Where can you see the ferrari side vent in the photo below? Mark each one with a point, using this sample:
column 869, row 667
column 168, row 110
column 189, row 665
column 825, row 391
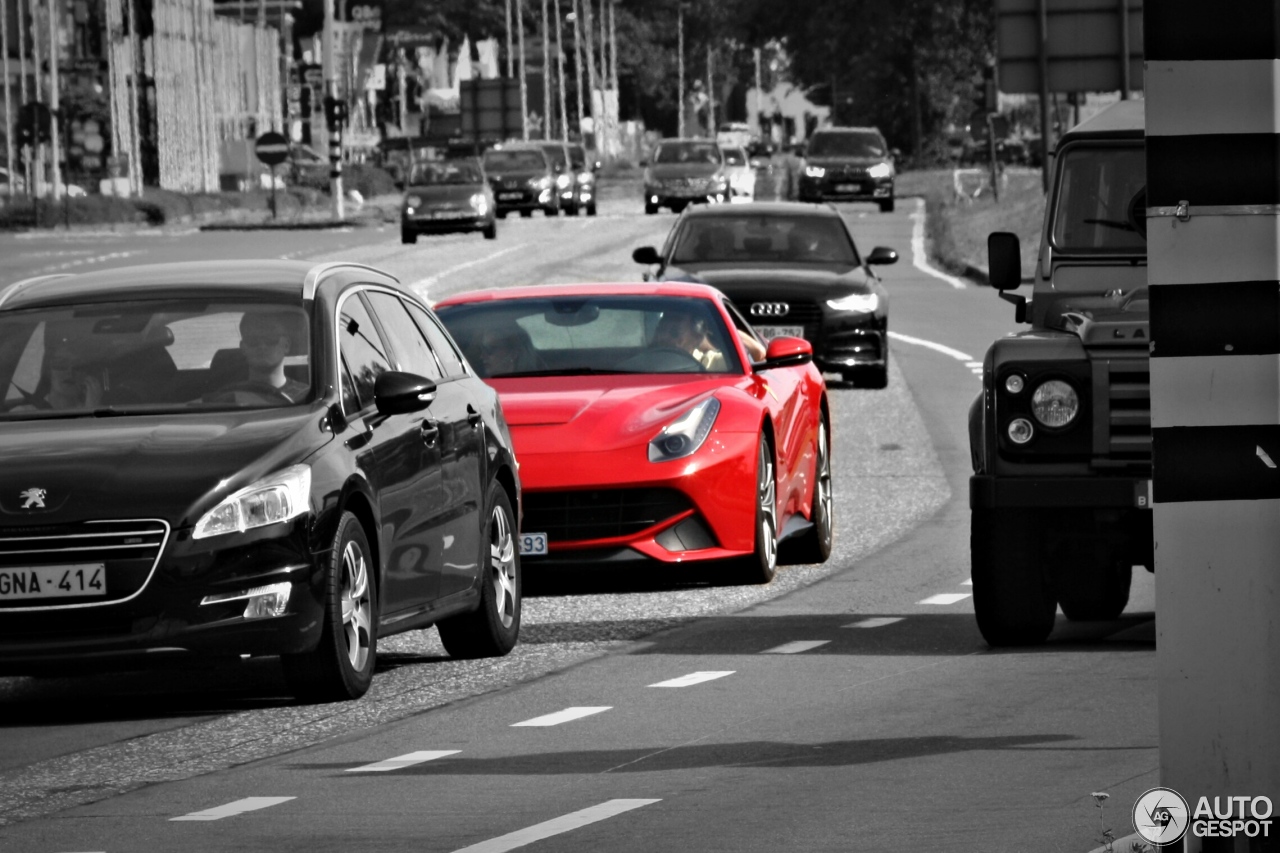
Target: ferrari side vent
column 600, row 513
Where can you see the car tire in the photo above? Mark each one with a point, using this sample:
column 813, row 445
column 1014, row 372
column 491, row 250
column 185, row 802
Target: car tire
column 492, row 629
column 501, row 214
column 591, row 208
column 341, row 666
column 1012, row 597
column 551, row 212
column 408, row 236
column 571, row 210
column 490, row 231
column 886, row 206
column 649, row 209
column 814, row 545
column 526, row 214
column 761, row 566
column 1090, row 579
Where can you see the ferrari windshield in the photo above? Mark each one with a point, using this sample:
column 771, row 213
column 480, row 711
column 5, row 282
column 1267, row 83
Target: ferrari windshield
column 1101, row 203
column 114, row 358
column 850, row 144
column 769, row 239
column 592, row 334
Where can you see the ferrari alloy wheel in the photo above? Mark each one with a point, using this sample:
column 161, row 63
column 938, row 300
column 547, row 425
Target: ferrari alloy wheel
column 491, row 630
column 341, row 666
column 762, row 565
column 814, row 545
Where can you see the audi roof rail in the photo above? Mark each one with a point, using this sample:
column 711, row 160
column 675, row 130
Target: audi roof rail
column 12, row 289
column 317, row 274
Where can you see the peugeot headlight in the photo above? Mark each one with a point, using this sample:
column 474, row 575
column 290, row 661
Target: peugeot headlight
column 685, row 434
column 862, row 303
column 1055, row 403
column 880, row 170
column 480, row 204
column 280, row 497
column 563, row 180
column 413, row 201
column 814, row 171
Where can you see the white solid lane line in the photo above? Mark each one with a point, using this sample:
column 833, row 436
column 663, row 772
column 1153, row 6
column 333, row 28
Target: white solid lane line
column 693, row 678
column 248, row 804
column 420, row 286
column 795, row 648
column 556, row 826
column 946, row 598
column 874, row 622
column 917, row 249
column 564, row 716
column 407, row 760
column 936, row 347
column 968, row 582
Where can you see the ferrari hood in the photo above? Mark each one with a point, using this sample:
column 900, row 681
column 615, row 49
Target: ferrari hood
column 550, row 415
column 767, row 281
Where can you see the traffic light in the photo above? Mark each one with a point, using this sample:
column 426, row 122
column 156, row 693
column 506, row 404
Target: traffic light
column 335, row 111
column 35, row 124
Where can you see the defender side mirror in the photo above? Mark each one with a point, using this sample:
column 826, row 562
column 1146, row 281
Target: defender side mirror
column 1005, row 259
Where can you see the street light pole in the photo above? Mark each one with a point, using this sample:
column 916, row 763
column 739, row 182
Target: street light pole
column 8, row 103
column 577, row 60
column 564, row 109
column 335, row 128
column 680, row 68
column 524, row 80
column 546, row 73
column 55, row 133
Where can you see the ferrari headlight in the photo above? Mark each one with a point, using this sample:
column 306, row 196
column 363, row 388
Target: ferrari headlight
column 880, row 170
column 480, row 204
column 1055, row 403
column 862, row 303
column 814, row 171
column 563, row 180
column 280, row 497
column 683, row 436
column 413, row 201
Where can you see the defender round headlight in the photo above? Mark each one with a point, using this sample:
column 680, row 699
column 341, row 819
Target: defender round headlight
column 1020, row 430
column 1055, row 403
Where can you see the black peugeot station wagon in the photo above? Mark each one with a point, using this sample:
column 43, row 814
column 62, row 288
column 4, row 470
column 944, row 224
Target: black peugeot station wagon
column 246, row 458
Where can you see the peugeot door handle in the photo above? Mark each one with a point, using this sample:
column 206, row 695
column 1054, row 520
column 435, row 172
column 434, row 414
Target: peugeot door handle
column 473, row 417
column 430, row 432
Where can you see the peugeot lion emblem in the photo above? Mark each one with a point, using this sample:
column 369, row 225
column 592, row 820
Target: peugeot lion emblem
column 770, row 309
column 33, row 498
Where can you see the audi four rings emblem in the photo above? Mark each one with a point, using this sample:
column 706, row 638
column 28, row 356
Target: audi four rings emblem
column 770, row 309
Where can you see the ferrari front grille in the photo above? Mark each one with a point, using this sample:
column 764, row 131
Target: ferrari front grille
column 599, row 513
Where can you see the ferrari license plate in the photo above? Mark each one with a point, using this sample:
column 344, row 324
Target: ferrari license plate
column 771, row 332
column 533, row 544
column 78, row 579
column 846, row 188
column 510, row 196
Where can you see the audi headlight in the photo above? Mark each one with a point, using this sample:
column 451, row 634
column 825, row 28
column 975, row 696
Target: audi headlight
column 814, row 171
column 480, row 204
column 862, row 303
column 280, row 497
column 413, row 201
column 683, row 436
column 1055, row 403
column 880, row 170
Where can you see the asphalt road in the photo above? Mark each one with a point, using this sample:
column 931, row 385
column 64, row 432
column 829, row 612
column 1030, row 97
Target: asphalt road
column 848, row 706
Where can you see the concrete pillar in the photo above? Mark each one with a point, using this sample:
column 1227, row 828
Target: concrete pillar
column 1213, row 231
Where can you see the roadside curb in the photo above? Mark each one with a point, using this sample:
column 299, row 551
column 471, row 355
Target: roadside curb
column 319, row 225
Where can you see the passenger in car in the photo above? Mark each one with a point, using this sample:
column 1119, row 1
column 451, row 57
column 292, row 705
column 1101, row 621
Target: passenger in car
column 65, row 385
column 266, row 339
column 504, row 350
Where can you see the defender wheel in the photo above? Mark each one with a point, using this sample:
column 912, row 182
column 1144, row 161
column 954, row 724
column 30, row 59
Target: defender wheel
column 814, row 545
column 490, row 231
column 1089, row 576
column 341, row 666
column 1012, row 598
column 491, row 630
column 762, row 565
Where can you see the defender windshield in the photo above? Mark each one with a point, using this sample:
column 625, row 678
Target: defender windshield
column 1101, row 200
column 116, row 358
column 781, row 239
column 591, row 335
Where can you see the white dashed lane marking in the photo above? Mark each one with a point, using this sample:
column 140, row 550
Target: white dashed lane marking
column 693, row 678
column 968, row 582
column 795, row 648
column 946, row 598
column 556, row 826
column 248, row 804
column 874, row 622
column 564, row 716
column 407, row 760
column 423, row 284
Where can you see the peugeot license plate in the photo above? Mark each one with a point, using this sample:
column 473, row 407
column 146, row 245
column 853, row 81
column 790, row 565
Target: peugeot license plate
column 771, row 332
column 533, row 544
column 78, row 579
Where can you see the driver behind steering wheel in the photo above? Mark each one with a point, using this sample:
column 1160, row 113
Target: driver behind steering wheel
column 265, row 340
column 681, row 329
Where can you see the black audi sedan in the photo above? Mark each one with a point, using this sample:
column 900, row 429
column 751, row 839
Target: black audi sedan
column 246, row 458
column 848, row 164
column 792, row 269
column 523, row 179
column 444, row 196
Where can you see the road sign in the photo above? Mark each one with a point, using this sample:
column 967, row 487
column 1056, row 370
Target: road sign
column 313, row 74
column 1083, row 49
column 272, row 148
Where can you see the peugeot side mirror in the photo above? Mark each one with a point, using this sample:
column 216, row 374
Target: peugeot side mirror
column 1004, row 254
column 646, row 255
column 786, row 352
column 399, row 393
column 882, row 255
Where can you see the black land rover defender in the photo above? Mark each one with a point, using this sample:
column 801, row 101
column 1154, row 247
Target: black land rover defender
column 1061, row 434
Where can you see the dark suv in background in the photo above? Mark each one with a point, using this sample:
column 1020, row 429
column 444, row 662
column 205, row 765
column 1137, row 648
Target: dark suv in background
column 848, row 164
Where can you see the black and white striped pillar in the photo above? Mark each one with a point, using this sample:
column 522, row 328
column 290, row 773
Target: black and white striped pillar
column 1213, row 230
